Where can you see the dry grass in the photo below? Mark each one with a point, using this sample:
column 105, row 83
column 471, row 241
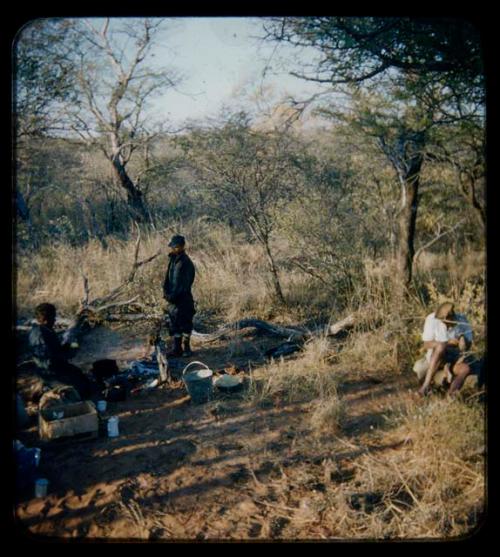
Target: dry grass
column 133, row 513
column 309, row 378
column 431, row 488
column 232, row 278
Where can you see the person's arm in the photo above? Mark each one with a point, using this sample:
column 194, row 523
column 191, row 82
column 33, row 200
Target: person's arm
column 464, row 334
column 38, row 348
column 165, row 287
column 431, row 344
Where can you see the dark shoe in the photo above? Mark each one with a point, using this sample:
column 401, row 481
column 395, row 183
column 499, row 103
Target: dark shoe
column 186, row 352
column 176, row 351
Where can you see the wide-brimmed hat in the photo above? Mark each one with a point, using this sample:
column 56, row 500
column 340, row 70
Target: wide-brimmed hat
column 445, row 312
column 176, row 240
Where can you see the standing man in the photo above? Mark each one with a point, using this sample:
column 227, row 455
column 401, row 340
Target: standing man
column 177, row 292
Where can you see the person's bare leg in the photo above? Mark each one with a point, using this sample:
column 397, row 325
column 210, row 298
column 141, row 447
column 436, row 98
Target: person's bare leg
column 436, row 359
column 461, row 370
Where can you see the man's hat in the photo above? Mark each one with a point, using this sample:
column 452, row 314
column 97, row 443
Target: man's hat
column 176, row 240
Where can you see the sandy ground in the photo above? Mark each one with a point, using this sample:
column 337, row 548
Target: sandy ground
column 223, row 470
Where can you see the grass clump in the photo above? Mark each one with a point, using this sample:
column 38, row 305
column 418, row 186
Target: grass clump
column 431, row 487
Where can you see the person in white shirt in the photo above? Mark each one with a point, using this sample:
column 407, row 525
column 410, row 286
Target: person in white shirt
column 447, row 336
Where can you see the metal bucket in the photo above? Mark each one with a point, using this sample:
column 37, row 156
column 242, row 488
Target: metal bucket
column 198, row 382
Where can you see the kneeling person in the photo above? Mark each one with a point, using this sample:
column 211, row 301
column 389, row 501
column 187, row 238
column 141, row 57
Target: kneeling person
column 447, row 336
column 51, row 358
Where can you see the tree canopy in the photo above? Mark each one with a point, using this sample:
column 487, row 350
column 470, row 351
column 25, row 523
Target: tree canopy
column 356, row 49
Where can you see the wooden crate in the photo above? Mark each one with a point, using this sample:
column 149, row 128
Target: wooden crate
column 79, row 418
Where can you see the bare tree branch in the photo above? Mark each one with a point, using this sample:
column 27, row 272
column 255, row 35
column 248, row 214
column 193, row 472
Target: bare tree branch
column 435, row 239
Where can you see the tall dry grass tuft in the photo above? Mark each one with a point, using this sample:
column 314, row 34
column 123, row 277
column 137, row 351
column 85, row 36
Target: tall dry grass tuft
column 307, row 379
column 387, row 335
column 431, row 487
column 56, row 273
column 230, row 274
column 133, row 514
column 232, row 284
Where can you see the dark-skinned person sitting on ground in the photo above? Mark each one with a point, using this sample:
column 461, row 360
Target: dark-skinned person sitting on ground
column 51, row 358
column 177, row 292
column 447, row 337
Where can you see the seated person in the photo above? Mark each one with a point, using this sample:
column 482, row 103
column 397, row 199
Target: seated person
column 51, row 358
column 447, row 336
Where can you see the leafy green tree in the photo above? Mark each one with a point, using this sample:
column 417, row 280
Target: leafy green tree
column 247, row 174
column 357, row 49
column 42, row 82
column 43, row 77
column 422, row 73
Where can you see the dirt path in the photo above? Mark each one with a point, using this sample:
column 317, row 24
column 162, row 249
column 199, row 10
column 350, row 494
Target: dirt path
column 221, row 470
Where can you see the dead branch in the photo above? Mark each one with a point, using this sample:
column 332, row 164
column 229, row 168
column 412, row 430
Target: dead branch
column 290, row 333
column 93, row 311
column 308, row 270
column 342, row 325
column 97, row 304
column 115, row 317
column 86, row 291
column 438, row 236
column 296, row 334
column 117, row 304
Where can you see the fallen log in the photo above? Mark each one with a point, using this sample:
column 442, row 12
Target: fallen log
column 342, row 325
column 87, row 318
column 125, row 317
column 292, row 334
column 295, row 333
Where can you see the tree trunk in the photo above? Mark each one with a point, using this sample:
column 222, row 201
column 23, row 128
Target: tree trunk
column 407, row 220
column 470, row 192
column 135, row 198
column 274, row 274
column 94, row 226
column 24, row 212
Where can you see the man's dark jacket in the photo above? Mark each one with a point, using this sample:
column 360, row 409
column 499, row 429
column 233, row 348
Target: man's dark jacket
column 179, row 279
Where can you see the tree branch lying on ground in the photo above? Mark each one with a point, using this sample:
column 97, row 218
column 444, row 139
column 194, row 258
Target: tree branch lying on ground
column 93, row 311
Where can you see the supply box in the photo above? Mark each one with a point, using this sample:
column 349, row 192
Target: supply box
column 68, row 420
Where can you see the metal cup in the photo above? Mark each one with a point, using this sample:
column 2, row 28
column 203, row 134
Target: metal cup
column 41, row 487
column 113, row 427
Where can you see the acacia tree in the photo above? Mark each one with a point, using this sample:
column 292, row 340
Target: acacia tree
column 247, row 174
column 114, row 84
column 42, row 80
column 434, row 66
column 357, row 49
column 461, row 148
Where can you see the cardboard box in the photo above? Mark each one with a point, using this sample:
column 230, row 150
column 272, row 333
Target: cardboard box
column 79, row 418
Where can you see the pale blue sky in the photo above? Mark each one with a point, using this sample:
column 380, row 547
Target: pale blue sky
column 223, row 65
column 222, row 61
